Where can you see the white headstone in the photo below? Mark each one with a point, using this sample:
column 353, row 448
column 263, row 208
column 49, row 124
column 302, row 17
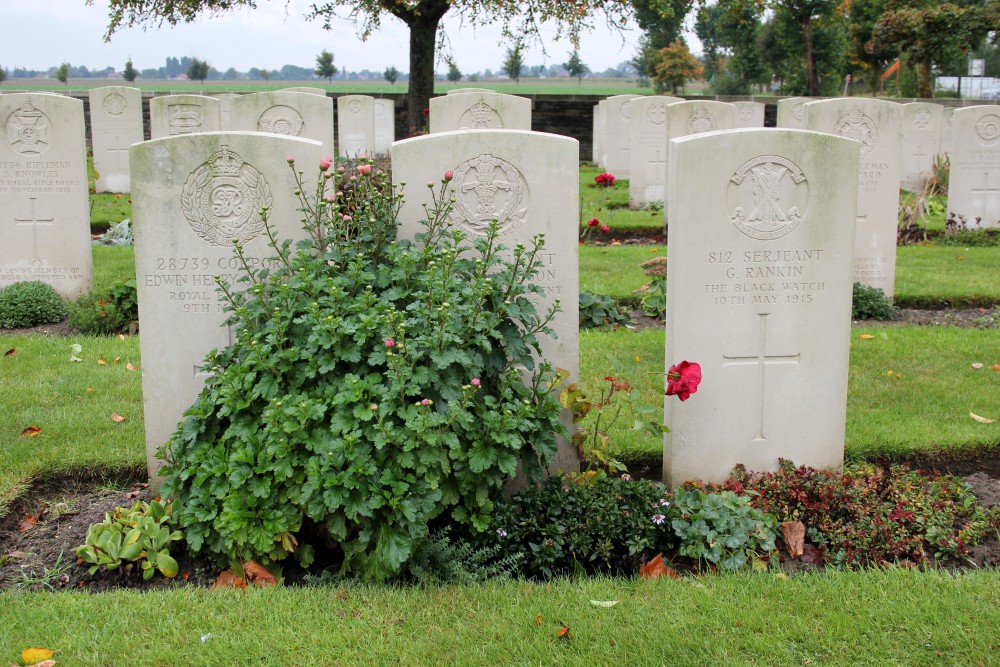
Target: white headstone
column 385, row 124
column 749, row 114
column 974, row 186
column 617, row 132
column 224, row 100
column 479, row 111
column 920, row 141
column 193, row 194
column 601, row 138
column 696, row 117
column 947, row 130
column 115, row 124
column 759, row 295
column 791, row 112
column 356, row 125
column 292, row 114
column 874, row 123
column 170, row 115
column 648, row 150
column 44, row 204
column 595, row 140
column 529, row 182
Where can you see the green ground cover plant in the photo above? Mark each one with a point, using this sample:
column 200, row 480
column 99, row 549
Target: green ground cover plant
column 893, row 617
column 29, row 303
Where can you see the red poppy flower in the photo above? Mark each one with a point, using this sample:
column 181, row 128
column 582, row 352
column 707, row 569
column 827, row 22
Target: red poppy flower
column 683, row 379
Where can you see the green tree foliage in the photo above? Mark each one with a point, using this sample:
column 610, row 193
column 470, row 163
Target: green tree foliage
column 198, row 71
column 661, row 22
column 675, row 67
column 422, row 17
column 513, row 62
column 62, row 73
column 576, row 67
column 782, row 52
column 129, row 73
column 265, row 74
column 325, row 69
column 3, row 75
column 391, row 74
column 927, row 32
column 454, row 74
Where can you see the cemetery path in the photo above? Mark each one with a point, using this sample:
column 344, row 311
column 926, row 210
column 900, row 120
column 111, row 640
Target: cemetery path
column 42, row 558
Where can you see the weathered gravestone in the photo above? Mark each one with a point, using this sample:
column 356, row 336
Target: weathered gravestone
column 874, row 123
column 686, row 118
column 759, row 294
column 791, row 112
column 115, row 124
column 356, row 125
column 193, row 195
column 292, row 114
column 920, row 140
column 749, row 114
column 617, row 119
column 44, row 205
column 648, row 150
column 385, row 124
column 479, row 111
column 529, row 182
column 170, row 115
column 974, row 186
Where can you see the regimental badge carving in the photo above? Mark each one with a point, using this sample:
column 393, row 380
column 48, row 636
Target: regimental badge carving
column 480, row 116
column 922, row 119
column 183, row 118
column 701, row 121
column 487, row 188
column 355, row 107
column 856, row 125
column 626, row 110
column 28, row 130
column 281, row 119
column 222, row 198
column 115, row 104
column 767, row 197
column 656, row 113
column 988, row 129
column 799, row 111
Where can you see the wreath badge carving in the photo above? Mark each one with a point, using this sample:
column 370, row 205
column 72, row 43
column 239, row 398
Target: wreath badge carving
column 222, row 198
column 487, row 188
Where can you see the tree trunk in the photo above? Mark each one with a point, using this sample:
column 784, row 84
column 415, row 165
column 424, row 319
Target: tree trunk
column 423, row 20
column 924, row 80
column 812, row 77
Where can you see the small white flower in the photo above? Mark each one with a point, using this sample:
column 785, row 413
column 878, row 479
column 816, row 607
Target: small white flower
column 658, row 519
column 501, row 532
column 665, row 503
column 626, row 477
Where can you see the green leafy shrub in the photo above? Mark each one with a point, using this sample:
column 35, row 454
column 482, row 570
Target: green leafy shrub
column 871, row 303
column 602, row 525
column 141, row 534
column 374, row 386
column 30, row 303
column 600, row 310
column 113, row 311
column 970, row 238
column 870, row 514
column 445, row 559
column 722, row 528
column 654, row 295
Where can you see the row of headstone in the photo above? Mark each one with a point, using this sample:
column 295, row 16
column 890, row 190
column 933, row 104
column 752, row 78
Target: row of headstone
column 763, row 244
column 477, row 109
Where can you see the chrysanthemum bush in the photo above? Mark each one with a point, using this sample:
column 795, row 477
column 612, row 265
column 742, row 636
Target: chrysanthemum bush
column 375, row 386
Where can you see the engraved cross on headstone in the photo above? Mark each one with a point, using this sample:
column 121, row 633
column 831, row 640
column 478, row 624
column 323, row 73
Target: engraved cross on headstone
column 200, row 371
column 919, row 153
column 985, row 193
column 762, row 360
column 116, row 155
column 660, row 160
column 34, row 221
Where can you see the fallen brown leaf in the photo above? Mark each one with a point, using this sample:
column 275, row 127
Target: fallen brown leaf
column 117, row 359
column 117, row 418
column 130, row 367
column 538, row 619
column 229, row 580
column 981, row 420
column 865, row 336
column 656, row 568
column 135, row 490
column 89, row 390
column 996, row 367
column 563, row 632
column 30, row 432
column 795, row 537
column 44, row 663
column 10, row 353
column 101, row 361
column 28, row 522
column 258, row 575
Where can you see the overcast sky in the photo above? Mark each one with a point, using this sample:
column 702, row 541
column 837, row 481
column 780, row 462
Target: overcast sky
column 37, row 34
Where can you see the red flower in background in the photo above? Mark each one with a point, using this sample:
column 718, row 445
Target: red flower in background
column 605, row 179
column 683, row 379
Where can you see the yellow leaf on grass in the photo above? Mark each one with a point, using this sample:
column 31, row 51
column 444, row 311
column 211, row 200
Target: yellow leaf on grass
column 866, row 336
column 30, row 656
column 117, row 418
column 981, row 420
column 538, row 619
column 130, row 367
column 101, row 361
